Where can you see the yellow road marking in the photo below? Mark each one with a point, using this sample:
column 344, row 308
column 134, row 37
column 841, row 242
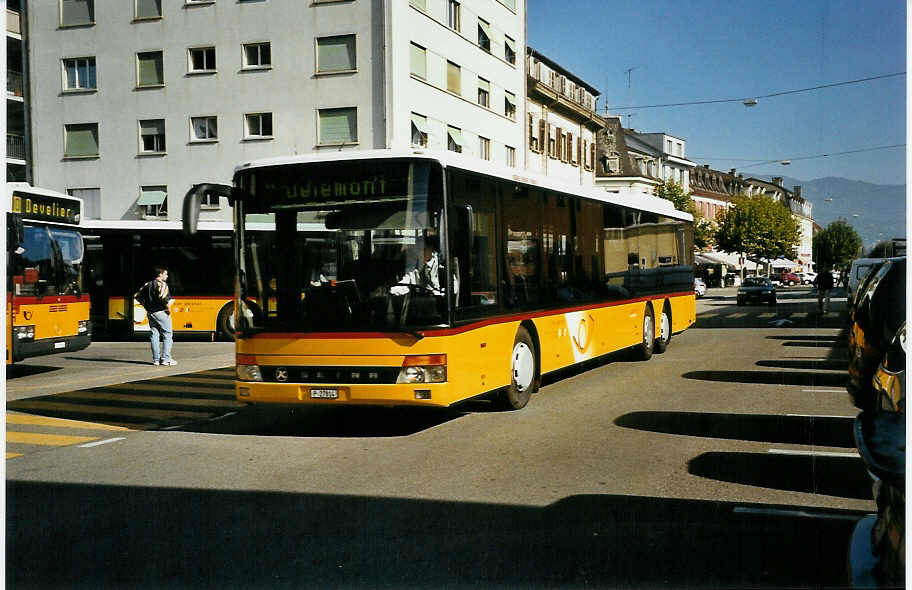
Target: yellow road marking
column 51, row 440
column 227, row 390
column 188, row 379
column 126, row 397
column 109, row 411
column 32, row 420
column 13, row 455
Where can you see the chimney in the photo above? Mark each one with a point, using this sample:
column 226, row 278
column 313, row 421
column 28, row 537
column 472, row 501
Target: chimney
column 796, row 190
column 706, row 166
column 777, row 180
column 732, row 171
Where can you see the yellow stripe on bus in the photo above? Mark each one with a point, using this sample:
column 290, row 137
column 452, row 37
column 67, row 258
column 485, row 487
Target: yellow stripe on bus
column 31, row 420
column 49, row 440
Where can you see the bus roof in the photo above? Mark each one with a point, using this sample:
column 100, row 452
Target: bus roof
column 448, row 159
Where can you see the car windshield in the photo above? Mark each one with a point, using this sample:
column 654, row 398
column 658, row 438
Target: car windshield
column 756, row 282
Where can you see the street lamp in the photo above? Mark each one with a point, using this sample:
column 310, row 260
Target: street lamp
column 750, row 102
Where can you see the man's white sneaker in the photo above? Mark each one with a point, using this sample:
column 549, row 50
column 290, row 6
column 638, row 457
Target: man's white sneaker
column 169, row 363
column 156, row 363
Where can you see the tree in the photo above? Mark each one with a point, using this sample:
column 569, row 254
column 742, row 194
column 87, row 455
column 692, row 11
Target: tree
column 883, row 249
column 758, row 226
column 836, row 246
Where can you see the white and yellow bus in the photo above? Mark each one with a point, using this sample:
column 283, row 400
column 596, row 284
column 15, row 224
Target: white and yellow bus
column 47, row 306
column 531, row 277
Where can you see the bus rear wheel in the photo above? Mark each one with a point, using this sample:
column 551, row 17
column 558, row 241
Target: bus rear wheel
column 661, row 343
column 224, row 323
column 644, row 349
column 524, row 378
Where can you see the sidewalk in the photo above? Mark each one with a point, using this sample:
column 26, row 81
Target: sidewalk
column 109, row 363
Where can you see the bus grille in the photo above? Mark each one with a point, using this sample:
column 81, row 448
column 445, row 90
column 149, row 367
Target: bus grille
column 339, row 375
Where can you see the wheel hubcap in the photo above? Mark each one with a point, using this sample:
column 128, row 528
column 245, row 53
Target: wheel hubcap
column 666, row 326
column 523, row 366
column 647, row 331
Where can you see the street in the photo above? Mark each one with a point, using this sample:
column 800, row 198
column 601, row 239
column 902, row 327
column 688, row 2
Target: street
column 726, row 461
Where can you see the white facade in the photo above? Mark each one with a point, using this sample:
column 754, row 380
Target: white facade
column 289, row 77
column 673, row 162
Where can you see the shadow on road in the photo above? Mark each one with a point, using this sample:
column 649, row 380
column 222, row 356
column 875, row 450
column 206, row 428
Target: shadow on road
column 845, row 477
column 814, row 364
column 772, row 428
column 175, row 538
column 771, row 377
column 14, row 371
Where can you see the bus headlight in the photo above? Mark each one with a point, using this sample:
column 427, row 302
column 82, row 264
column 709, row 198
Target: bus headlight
column 24, row 333
column 247, row 368
column 429, row 368
column 83, row 326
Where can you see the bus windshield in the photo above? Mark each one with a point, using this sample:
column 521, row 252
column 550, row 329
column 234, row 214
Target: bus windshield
column 343, row 247
column 48, row 262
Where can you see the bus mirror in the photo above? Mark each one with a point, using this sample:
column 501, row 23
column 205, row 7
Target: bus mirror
column 462, row 220
column 15, row 232
column 194, row 198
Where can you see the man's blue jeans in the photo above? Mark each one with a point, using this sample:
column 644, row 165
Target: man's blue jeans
column 160, row 323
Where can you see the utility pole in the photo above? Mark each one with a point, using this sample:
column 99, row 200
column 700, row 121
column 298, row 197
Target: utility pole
column 629, row 72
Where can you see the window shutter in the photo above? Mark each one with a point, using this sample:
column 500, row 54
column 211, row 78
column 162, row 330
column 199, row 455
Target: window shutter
column 579, row 151
column 592, row 155
column 77, row 12
column 150, row 69
column 419, row 61
column 542, row 137
column 338, row 125
column 559, row 143
column 454, row 78
column 81, row 140
column 335, row 54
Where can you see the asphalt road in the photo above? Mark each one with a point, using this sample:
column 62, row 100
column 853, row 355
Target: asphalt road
column 728, row 461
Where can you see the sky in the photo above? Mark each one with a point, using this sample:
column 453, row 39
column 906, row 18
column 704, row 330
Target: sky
column 695, row 50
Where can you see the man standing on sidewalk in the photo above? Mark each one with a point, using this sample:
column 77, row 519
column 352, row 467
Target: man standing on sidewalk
column 824, row 284
column 156, row 298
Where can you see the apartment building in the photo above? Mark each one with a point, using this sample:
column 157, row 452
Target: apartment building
column 17, row 153
column 673, row 165
column 561, row 122
column 624, row 161
column 135, row 101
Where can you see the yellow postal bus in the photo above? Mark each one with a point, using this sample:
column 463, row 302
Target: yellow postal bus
column 398, row 277
column 47, row 307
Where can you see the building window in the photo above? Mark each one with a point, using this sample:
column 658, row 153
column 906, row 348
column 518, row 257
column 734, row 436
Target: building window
column 74, row 13
column 148, row 9
column 533, row 138
column 202, row 60
column 258, row 126
column 91, row 201
column 510, row 105
column 419, row 4
column 484, row 35
column 153, row 201
column 152, row 136
column 420, row 130
column 418, row 61
column 454, row 139
column 79, row 73
column 336, row 54
column 454, row 78
column 204, row 129
column 337, row 126
column 453, row 14
column 257, row 55
column 509, row 50
column 150, row 69
column 510, row 156
column 80, row 140
column 484, row 148
column 484, row 93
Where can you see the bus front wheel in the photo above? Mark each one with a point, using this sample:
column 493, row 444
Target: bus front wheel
column 225, row 322
column 524, row 377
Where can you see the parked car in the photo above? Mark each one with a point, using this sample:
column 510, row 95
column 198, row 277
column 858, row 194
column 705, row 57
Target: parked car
column 859, row 270
column 877, row 314
column 889, row 380
column 759, row 289
column 807, row 278
column 789, row 278
column 699, row 287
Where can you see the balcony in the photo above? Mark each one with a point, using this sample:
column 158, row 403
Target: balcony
column 13, row 22
column 15, row 147
column 14, row 84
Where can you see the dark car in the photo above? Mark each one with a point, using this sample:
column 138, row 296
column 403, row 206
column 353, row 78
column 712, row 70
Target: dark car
column 759, row 289
column 789, row 278
column 877, row 314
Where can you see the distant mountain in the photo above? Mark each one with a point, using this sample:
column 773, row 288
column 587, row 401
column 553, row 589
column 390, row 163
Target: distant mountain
column 876, row 211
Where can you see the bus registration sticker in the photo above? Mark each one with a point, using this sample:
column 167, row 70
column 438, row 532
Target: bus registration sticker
column 324, row 393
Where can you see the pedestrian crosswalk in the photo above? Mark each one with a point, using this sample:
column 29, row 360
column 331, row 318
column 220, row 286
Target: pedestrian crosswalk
column 86, row 416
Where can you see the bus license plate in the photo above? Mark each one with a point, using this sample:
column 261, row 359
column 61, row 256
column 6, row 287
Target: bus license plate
column 324, row 393
column 60, row 345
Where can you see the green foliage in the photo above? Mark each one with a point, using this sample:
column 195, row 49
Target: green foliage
column 883, row 249
column 836, row 246
column 674, row 192
column 758, row 226
column 704, row 232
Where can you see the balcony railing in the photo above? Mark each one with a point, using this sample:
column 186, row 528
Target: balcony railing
column 13, row 83
column 15, row 146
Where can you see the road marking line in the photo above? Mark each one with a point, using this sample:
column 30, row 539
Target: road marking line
column 101, row 442
column 823, row 390
column 50, row 440
column 32, row 420
column 222, row 417
column 151, row 399
column 853, row 455
column 110, row 411
column 13, row 455
column 795, row 513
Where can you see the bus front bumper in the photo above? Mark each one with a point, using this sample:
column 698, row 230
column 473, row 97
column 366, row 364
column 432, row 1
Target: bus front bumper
column 24, row 350
column 420, row 394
